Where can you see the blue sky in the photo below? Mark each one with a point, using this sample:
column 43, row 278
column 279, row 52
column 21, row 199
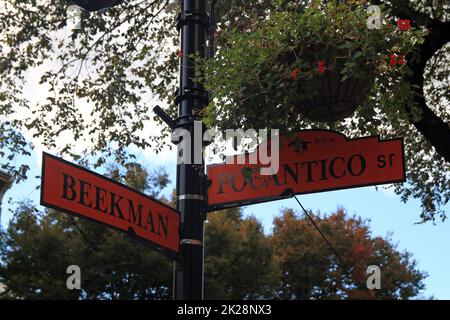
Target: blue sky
column 427, row 242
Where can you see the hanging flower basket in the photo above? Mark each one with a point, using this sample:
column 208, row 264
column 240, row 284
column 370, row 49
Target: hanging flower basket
column 314, row 63
column 335, row 99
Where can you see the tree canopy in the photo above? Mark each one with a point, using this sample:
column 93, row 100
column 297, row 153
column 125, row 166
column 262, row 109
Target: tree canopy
column 96, row 81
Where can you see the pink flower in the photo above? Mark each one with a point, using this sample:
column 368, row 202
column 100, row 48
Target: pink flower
column 180, row 54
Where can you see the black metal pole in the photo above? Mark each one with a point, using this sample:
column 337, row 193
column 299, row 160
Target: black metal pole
column 188, row 282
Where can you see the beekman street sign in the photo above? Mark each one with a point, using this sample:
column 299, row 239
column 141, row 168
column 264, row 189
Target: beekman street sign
column 86, row 194
column 310, row 161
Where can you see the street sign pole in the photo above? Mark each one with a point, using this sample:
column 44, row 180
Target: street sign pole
column 189, row 276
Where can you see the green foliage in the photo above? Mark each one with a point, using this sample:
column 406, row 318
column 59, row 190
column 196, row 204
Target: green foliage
column 238, row 260
column 309, row 270
column 35, row 256
column 98, row 77
column 251, row 77
column 95, row 83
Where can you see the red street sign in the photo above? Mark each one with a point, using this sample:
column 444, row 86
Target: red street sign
column 310, row 161
column 80, row 192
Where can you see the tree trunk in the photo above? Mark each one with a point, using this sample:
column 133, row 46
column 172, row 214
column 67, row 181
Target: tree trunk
column 432, row 127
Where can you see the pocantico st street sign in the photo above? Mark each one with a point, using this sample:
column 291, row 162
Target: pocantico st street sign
column 309, row 161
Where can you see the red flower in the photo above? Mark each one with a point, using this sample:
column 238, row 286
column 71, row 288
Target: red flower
column 295, row 73
column 404, row 24
column 401, row 60
column 393, row 59
column 396, row 60
column 180, row 54
column 321, row 67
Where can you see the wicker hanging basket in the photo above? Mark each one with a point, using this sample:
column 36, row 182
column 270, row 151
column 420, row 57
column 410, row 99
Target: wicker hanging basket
column 334, row 99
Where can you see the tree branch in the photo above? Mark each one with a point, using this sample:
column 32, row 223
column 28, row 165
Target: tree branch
column 403, row 10
column 432, row 127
